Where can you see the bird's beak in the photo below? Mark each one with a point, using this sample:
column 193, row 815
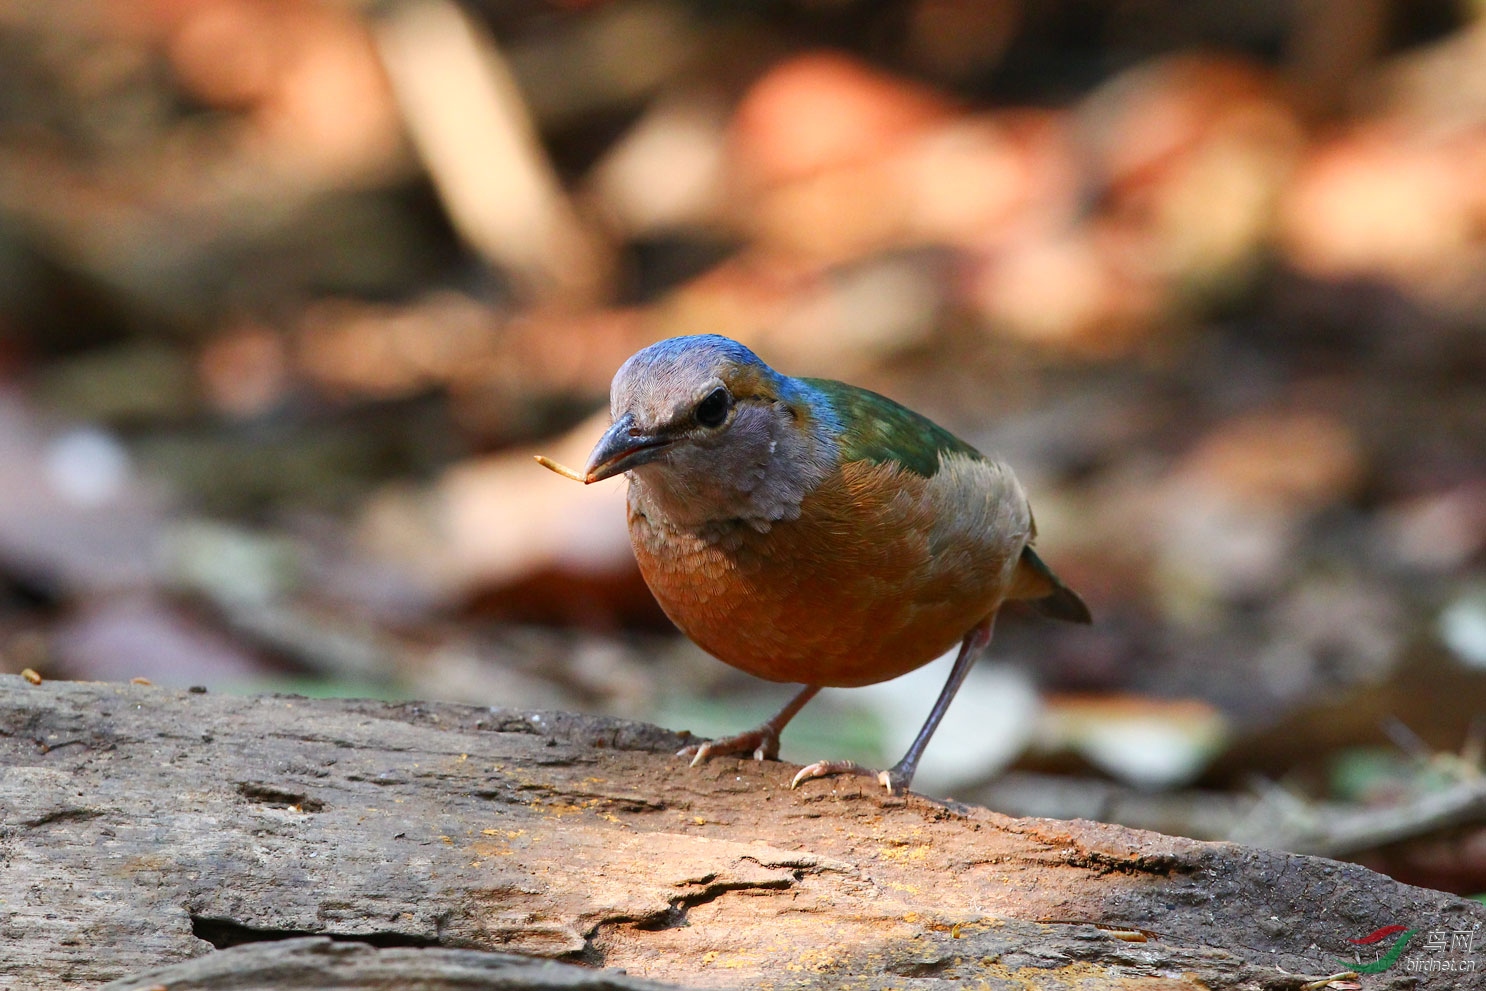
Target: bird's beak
column 621, row 448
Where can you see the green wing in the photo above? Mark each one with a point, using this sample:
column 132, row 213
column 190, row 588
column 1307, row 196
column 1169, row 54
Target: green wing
column 876, row 429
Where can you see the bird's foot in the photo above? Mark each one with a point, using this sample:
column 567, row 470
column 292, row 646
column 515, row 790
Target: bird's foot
column 891, row 779
column 761, row 743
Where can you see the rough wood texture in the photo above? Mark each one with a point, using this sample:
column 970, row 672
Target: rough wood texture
column 317, row 963
column 144, row 827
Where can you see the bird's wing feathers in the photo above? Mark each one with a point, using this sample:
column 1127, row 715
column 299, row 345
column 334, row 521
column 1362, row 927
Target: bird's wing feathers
column 971, row 511
column 877, row 430
column 980, row 511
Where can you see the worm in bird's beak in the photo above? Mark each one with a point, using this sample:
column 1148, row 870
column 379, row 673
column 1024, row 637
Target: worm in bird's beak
column 621, row 448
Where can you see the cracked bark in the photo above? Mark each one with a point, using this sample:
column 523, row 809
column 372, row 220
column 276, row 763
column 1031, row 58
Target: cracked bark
column 165, row 838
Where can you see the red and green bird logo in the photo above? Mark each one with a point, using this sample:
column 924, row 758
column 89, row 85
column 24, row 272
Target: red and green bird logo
column 1388, row 959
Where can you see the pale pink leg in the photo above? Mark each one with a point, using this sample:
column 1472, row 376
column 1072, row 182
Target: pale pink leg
column 761, row 742
column 900, row 775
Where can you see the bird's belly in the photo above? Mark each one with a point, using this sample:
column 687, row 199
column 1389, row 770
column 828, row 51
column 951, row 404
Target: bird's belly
column 818, row 603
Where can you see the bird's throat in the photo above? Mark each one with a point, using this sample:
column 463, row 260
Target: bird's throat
column 758, row 476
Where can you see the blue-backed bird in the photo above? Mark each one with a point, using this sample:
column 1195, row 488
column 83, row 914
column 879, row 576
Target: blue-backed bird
column 806, row 530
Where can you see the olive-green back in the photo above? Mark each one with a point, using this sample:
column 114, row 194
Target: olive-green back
column 877, row 430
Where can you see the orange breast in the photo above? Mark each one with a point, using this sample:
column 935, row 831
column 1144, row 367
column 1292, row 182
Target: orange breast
column 878, row 576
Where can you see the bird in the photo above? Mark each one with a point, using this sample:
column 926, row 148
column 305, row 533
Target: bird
column 809, row 531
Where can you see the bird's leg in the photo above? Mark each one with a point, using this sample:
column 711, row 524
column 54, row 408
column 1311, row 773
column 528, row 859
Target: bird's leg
column 762, row 742
column 897, row 778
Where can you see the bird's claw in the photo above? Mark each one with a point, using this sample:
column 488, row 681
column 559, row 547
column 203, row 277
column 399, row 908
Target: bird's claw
column 760, row 744
column 889, row 779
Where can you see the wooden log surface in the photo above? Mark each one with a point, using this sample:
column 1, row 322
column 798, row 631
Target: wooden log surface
column 173, row 839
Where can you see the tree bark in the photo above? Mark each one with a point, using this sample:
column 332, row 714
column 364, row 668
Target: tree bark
column 145, row 831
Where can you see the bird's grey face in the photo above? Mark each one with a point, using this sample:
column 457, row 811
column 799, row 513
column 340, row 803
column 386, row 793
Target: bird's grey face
column 708, row 432
column 686, row 404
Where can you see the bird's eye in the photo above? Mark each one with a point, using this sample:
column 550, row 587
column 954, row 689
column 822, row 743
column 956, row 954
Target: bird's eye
column 713, row 411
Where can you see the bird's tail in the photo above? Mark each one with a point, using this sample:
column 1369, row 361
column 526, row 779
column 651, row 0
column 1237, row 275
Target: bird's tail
column 1045, row 591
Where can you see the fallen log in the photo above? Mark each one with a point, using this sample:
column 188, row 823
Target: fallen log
column 173, row 839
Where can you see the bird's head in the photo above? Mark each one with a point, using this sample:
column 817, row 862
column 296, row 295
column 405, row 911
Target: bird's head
column 678, row 396
column 704, row 421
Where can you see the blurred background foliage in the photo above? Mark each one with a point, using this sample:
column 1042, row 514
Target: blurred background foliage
column 290, row 291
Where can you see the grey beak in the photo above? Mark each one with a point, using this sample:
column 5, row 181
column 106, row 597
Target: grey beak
column 621, row 448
